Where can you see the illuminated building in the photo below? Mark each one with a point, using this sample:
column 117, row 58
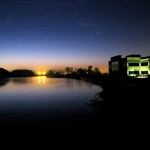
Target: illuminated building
column 131, row 65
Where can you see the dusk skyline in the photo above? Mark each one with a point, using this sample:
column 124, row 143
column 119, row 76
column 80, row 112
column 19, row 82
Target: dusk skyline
column 54, row 34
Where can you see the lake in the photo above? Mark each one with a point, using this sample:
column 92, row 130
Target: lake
column 57, row 108
column 39, row 98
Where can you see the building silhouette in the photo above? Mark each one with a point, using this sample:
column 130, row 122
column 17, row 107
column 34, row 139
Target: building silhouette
column 132, row 65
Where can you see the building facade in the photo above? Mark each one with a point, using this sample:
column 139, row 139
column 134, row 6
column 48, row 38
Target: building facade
column 131, row 65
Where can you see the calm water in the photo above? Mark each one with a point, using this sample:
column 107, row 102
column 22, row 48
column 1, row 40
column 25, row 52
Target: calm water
column 41, row 97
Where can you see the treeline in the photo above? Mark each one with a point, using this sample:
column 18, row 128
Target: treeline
column 75, row 73
column 81, row 71
column 89, row 74
column 16, row 73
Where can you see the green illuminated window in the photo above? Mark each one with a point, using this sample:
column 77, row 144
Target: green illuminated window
column 133, row 64
column 144, row 72
column 133, row 72
column 144, row 64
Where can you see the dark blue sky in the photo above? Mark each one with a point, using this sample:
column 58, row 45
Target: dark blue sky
column 53, row 34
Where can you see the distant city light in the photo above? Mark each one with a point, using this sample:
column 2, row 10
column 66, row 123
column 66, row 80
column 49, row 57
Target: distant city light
column 41, row 73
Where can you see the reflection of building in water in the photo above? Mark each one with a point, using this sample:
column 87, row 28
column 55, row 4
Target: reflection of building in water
column 131, row 65
column 42, row 79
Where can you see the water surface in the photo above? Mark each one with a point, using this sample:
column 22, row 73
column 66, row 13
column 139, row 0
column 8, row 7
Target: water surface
column 45, row 98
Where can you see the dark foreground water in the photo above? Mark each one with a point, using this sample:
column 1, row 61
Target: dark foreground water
column 39, row 107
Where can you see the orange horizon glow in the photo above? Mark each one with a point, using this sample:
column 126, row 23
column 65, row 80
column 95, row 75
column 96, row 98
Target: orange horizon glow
column 41, row 70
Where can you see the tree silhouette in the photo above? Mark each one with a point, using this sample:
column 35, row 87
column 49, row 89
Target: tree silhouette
column 82, row 71
column 96, row 70
column 90, row 69
column 69, row 70
column 22, row 73
column 4, row 73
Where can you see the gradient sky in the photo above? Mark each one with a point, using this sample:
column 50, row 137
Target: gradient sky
column 54, row 34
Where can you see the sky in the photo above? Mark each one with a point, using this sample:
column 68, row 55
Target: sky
column 55, row 34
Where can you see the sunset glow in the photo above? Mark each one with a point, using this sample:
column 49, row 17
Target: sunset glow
column 52, row 35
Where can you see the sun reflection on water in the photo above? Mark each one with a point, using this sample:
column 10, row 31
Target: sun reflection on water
column 42, row 79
